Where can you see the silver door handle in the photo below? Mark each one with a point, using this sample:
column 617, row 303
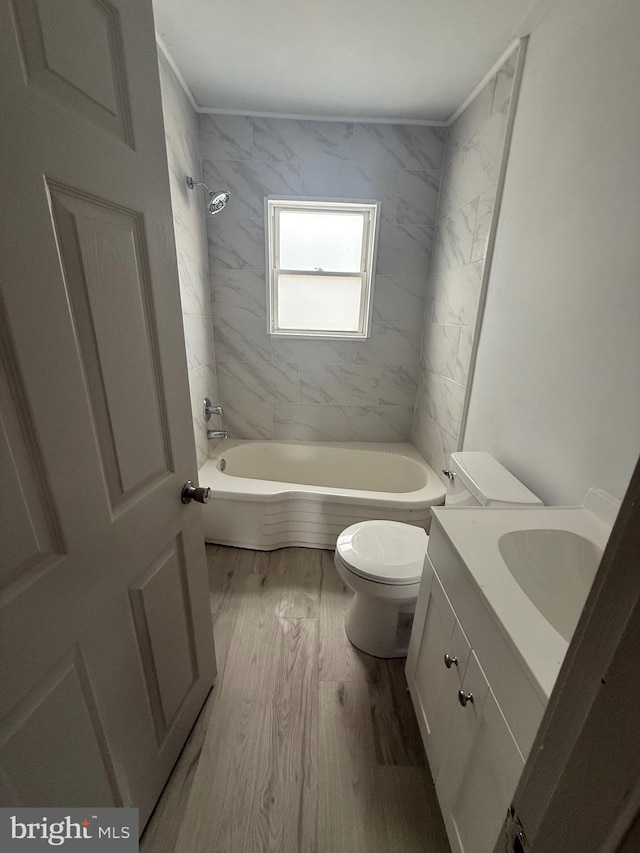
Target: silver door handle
column 195, row 493
column 449, row 661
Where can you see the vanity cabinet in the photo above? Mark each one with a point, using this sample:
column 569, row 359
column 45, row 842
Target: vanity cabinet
column 474, row 759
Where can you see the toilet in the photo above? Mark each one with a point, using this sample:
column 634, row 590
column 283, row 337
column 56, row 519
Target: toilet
column 382, row 561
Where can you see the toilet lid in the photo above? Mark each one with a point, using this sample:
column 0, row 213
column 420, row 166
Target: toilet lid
column 384, row 551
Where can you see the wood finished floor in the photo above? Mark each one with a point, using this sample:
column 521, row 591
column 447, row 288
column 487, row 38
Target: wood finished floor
column 305, row 744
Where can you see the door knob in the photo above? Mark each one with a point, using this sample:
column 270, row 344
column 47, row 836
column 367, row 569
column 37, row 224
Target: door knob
column 195, row 493
column 449, row 661
column 463, row 698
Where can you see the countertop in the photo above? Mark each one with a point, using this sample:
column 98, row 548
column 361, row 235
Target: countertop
column 474, row 533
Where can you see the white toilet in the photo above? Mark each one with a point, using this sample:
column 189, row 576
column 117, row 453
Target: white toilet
column 382, row 561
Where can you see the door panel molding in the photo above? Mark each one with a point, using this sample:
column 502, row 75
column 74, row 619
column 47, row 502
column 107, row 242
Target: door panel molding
column 32, row 541
column 56, row 728
column 164, row 629
column 57, row 59
column 102, row 254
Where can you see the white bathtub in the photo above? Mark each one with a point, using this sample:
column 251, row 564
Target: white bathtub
column 272, row 494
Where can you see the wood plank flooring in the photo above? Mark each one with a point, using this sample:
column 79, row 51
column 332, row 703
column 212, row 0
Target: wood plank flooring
column 305, row 744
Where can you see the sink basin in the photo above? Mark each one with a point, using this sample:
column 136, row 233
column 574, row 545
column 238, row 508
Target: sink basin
column 555, row 569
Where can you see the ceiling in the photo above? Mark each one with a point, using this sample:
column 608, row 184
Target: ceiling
column 378, row 59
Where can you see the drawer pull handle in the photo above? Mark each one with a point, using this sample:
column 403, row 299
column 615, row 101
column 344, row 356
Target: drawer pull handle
column 449, row 661
column 463, row 698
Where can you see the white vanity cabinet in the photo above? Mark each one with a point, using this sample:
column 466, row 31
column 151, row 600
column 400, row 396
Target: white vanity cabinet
column 474, row 759
column 495, row 610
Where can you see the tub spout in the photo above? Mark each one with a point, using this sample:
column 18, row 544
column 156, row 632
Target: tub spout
column 214, row 434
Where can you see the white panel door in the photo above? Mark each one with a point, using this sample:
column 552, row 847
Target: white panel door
column 106, row 647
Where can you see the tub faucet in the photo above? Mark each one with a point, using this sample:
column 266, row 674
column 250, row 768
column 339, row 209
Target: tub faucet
column 209, row 410
column 214, row 434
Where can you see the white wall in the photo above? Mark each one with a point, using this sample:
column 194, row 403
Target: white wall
column 468, row 191
column 556, row 392
column 317, row 390
column 183, row 154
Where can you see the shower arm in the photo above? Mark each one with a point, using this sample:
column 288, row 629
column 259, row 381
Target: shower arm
column 193, row 184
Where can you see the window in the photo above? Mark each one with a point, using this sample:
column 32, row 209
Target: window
column 321, row 258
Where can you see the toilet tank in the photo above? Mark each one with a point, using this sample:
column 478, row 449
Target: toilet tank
column 477, row 479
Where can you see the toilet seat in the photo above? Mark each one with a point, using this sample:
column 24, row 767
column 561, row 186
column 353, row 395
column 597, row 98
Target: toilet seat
column 387, row 552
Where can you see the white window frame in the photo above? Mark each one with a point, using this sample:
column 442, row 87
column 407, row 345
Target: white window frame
column 371, row 210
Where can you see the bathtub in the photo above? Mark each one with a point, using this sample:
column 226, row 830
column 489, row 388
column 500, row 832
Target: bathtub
column 273, row 494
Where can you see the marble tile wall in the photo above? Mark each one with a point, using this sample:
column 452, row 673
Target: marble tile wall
column 319, row 390
column 181, row 131
column 467, row 197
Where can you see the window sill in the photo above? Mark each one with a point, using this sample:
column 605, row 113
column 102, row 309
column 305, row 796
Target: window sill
column 316, row 336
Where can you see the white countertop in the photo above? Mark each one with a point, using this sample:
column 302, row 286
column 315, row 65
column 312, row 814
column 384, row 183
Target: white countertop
column 474, row 533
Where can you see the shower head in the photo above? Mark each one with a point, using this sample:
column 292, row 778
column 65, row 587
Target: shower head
column 217, row 201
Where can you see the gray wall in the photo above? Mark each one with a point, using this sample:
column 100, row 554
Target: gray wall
column 556, row 393
column 317, row 390
column 181, row 131
column 467, row 196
